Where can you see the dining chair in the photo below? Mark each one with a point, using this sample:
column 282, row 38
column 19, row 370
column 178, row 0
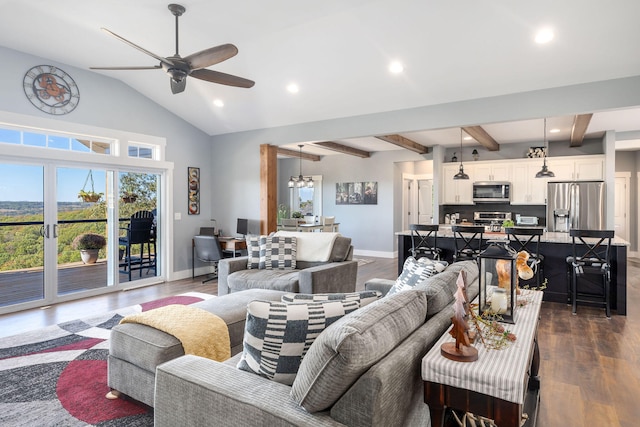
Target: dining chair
column 289, row 224
column 421, row 235
column 591, row 256
column 327, row 223
column 468, row 242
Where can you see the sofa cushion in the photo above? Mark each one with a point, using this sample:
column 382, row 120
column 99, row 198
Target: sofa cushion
column 440, row 289
column 415, row 271
column 352, row 345
column 278, row 335
column 280, row 280
column 363, row 297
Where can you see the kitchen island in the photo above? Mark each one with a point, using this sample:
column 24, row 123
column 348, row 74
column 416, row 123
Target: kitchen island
column 555, row 247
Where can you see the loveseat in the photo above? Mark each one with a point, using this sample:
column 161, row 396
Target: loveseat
column 363, row 370
column 323, row 264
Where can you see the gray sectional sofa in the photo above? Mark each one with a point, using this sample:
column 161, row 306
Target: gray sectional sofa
column 338, row 273
column 363, row 370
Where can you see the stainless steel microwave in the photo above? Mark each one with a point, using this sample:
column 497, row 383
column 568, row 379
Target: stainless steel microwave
column 491, row 192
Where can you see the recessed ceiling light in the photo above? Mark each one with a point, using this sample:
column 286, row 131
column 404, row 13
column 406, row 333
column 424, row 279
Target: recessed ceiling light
column 396, row 67
column 544, row 35
column 218, row 103
column 293, row 88
column 467, row 138
column 554, row 130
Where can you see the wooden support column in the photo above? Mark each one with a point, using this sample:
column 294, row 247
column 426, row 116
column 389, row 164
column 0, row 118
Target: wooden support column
column 268, row 188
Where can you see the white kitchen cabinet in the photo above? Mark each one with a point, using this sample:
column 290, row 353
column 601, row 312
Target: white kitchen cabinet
column 493, row 171
column 526, row 189
column 456, row 191
column 577, row 168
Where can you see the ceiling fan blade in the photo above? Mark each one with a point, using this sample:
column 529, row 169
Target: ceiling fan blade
column 177, row 87
column 213, row 55
column 135, row 46
column 152, row 67
column 222, row 78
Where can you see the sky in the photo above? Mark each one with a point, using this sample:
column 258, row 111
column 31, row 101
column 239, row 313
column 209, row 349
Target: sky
column 31, row 183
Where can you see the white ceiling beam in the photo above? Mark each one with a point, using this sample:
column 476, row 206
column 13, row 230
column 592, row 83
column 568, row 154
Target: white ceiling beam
column 340, row 148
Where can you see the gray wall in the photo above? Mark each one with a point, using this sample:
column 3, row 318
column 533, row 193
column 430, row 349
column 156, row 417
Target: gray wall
column 108, row 103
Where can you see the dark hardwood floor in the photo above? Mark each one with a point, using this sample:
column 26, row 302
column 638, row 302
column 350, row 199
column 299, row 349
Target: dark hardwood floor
column 590, row 365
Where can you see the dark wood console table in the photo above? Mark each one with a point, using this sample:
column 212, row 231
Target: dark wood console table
column 501, row 385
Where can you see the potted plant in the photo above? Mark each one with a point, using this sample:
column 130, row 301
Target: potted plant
column 89, row 245
column 129, row 197
column 296, row 214
column 89, row 196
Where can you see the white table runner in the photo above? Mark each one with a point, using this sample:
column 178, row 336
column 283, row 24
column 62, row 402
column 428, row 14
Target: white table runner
column 497, row 373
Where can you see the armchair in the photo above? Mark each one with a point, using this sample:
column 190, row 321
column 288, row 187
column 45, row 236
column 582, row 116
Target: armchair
column 336, row 273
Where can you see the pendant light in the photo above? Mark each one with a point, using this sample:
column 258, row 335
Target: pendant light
column 545, row 172
column 300, row 182
column 461, row 174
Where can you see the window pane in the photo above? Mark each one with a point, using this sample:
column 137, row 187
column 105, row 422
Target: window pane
column 10, row 136
column 81, row 145
column 133, row 151
column 145, row 153
column 101, row 147
column 35, row 139
column 59, row 142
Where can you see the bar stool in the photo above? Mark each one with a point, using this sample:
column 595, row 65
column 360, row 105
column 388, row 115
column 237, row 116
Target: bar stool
column 468, row 242
column 528, row 239
column 590, row 257
column 420, row 235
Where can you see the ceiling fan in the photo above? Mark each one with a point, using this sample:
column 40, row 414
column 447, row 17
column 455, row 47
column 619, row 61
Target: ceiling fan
column 194, row 65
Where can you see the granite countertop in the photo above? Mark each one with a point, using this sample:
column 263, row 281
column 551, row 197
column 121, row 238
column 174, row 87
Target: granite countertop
column 547, row 237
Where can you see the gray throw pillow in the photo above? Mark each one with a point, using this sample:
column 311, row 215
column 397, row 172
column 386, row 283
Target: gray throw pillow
column 278, row 335
column 350, row 346
column 415, row 271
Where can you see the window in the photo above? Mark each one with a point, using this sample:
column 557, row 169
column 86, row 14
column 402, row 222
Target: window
column 140, row 151
column 307, row 200
column 42, row 138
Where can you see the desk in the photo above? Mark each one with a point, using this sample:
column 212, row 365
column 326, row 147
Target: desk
column 501, row 385
column 232, row 244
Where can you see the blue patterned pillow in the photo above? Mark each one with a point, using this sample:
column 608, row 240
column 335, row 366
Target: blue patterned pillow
column 278, row 335
column 415, row 271
column 363, row 297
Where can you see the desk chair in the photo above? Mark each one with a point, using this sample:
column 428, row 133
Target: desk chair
column 420, row 235
column 206, row 249
column 591, row 257
column 327, row 223
column 139, row 231
column 468, row 242
column 528, row 239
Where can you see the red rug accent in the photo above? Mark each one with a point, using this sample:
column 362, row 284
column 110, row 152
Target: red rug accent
column 81, row 389
column 67, row 363
column 178, row 299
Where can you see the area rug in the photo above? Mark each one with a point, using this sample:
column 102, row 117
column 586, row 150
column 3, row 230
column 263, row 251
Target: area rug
column 57, row 376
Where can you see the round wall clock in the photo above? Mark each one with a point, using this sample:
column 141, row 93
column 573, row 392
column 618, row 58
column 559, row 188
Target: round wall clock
column 51, row 90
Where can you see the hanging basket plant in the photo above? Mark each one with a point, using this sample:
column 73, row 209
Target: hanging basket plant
column 89, row 196
column 129, row 198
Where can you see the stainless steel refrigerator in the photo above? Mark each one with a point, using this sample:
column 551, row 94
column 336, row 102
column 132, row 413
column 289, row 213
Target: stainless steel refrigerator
column 577, row 205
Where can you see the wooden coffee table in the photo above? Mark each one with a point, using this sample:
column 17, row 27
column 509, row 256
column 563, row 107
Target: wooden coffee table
column 502, row 385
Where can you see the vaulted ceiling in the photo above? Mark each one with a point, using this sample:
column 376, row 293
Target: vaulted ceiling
column 338, row 54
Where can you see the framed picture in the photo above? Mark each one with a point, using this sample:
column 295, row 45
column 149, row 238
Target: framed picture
column 194, row 191
column 535, row 152
column 357, row 193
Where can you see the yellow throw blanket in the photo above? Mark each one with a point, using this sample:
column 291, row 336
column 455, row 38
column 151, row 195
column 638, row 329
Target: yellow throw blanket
column 200, row 332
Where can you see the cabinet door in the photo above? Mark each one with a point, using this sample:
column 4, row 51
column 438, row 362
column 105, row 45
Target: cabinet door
column 520, row 186
column 501, row 172
column 589, row 169
column 526, row 188
column 449, row 185
column 482, row 173
column 561, row 168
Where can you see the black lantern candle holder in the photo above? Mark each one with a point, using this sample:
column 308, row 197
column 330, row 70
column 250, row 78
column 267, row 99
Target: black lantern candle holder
column 498, row 282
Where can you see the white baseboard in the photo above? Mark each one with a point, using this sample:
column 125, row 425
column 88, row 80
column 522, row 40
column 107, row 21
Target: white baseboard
column 377, row 254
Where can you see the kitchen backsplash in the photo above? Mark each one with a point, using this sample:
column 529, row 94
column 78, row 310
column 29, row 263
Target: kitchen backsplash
column 466, row 211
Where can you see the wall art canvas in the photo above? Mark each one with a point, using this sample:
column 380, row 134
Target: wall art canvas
column 357, row 193
column 194, row 191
